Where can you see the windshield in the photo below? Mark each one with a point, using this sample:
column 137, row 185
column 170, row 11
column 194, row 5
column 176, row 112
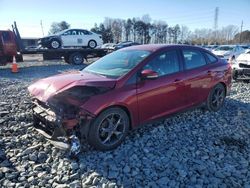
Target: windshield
column 117, row 63
column 225, row 48
column 61, row 32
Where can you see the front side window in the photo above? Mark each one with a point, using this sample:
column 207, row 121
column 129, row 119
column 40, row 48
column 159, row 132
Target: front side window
column 193, row 59
column 165, row 63
column 67, row 33
column 73, row 32
column 118, row 63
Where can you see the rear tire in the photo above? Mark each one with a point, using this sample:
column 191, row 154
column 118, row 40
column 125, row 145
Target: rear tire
column 216, row 98
column 109, row 129
column 76, row 58
column 92, row 44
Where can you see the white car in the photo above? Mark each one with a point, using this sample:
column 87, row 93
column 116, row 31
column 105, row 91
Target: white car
column 71, row 38
column 228, row 52
column 241, row 67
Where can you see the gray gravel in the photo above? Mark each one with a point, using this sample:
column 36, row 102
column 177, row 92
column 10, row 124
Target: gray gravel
column 193, row 149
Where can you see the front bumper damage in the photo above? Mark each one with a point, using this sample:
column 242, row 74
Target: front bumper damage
column 64, row 133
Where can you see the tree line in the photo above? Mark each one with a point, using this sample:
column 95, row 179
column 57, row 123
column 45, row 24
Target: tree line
column 145, row 30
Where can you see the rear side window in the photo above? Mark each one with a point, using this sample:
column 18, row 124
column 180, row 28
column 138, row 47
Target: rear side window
column 86, row 32
column 193, row 59
column 211, row 58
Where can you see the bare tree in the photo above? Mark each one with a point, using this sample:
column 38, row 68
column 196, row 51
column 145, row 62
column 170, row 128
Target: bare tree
column 184, row 34
column 144, row 30
column 58, row 26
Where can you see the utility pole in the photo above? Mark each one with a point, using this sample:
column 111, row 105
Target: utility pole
column 216, row 13
column 241, row 30
column 216, row 18
column 41, row 23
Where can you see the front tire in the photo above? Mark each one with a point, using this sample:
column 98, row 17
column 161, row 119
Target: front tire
column 216, row 98
column 109, row 129
column 55, row 44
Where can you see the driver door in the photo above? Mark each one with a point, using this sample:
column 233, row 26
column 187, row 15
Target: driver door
column 69, row 38
column 165, row 94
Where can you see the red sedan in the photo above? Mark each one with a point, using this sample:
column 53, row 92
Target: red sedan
column 125, row 89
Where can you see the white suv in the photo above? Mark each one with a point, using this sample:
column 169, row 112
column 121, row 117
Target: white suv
column 71, row 38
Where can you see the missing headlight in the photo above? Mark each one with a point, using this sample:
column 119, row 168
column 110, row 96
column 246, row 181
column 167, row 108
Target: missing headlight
column 82, row 92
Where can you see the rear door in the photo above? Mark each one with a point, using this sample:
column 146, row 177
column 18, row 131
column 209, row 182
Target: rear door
column 86, row 36
column 198, row 76
column 164, row 95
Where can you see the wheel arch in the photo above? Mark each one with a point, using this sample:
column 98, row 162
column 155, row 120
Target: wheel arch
column 56, row 38
column 224, row 85
column 123, row 107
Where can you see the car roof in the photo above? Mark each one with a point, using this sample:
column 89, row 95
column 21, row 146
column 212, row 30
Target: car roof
column 156, row 47
column 74, row 29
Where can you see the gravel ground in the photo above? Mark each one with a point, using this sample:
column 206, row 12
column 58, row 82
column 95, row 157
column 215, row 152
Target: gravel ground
column 193, row 149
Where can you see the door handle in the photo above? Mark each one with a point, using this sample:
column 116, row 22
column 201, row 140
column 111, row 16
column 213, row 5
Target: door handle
column 177, row 80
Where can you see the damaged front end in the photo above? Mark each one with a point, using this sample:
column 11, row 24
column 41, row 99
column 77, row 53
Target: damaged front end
column 61, row 118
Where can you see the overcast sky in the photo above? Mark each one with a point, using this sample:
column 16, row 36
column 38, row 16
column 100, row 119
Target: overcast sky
column 85, row 13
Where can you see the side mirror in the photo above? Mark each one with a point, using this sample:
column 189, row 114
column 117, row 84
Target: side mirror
column 149, row 74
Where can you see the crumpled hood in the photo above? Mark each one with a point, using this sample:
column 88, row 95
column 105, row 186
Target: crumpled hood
column 48, row 36
column 221, row 52
column 46, row 88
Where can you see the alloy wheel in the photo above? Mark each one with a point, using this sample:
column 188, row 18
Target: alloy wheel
column 218, row 97
column 55, row 44
column 92, row 44
column 111, row 129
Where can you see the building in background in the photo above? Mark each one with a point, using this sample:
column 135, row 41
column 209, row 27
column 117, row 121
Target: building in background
column 29, row 42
